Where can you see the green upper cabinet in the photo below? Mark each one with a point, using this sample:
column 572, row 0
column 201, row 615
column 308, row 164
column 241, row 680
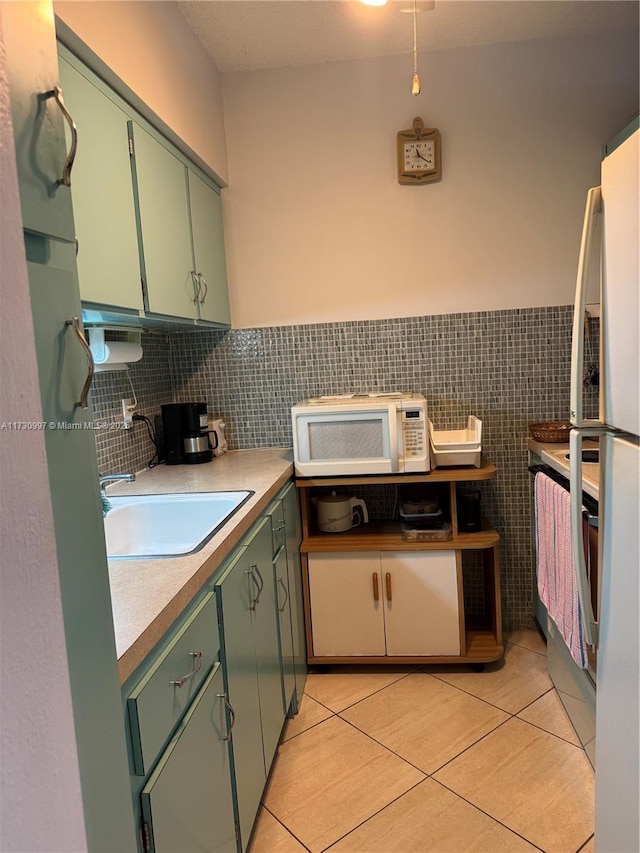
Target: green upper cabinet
column 163, row 220
column 180, row 226
column 108, row 260
column 38, row 121
column 208, row 250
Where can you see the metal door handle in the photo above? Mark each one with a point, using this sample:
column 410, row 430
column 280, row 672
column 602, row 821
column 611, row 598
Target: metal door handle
column 232, row 714
column 255, row 600
column 83, row 402
column 286, row 595
column 197, row 666
column 196, row 286
column 387, row 579
column 203, row 281
column 56, row 93
column 376, row 588
column 255, row 568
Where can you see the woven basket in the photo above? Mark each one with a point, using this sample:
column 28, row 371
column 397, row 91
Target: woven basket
column 553, row 432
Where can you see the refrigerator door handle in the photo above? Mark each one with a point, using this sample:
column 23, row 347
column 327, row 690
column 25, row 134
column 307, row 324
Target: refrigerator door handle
column 592, row 209
column 579, row 562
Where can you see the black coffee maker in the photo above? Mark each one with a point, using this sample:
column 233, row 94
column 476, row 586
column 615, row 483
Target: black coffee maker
column 185, row 427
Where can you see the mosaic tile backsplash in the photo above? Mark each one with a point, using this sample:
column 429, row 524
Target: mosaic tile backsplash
column 510, row 368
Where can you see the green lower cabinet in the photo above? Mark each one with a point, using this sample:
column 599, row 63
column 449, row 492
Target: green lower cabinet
column 281, row 576
column 293, row 527
column 249, row 650
column 187, row 804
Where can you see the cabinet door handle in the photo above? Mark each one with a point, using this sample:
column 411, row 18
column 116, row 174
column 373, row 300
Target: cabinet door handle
column 83, row 402
column 252, row 576
column 203, row 282
column 232, row 714
column 286, row 595
column 197, row 666
column 387, row 580
column 376, row 588
column 255, row 568
column 196, row 286
column 65, row 180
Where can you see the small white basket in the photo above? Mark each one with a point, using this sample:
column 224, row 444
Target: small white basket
column 457, row 447
column 457, row 439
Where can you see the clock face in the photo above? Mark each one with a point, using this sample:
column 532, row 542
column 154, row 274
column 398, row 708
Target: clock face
column 419, row 155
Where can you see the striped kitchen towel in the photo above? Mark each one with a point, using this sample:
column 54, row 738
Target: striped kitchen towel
column 557, row 582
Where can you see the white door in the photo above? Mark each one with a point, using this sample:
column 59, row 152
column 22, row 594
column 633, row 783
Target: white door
column 346, row 604
column 421, row 610
column 618, row 690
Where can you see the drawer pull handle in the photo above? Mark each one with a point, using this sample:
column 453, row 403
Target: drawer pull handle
column 279, row 527
column 286, row 594
column 387, row 579
column 232, row 714
column 376, row 589
column 197, row 666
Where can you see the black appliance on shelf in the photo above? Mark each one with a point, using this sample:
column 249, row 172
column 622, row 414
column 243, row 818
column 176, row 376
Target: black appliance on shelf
column 185, row 428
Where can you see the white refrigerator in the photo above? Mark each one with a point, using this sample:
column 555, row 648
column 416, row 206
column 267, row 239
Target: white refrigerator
column 610, row 235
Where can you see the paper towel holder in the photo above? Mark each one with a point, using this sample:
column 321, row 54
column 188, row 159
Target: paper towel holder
column 98, row 346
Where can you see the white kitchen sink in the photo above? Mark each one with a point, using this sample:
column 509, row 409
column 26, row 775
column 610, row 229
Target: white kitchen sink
column 167, row 525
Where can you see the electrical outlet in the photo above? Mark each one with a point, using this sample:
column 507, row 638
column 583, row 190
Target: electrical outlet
column 128, row 408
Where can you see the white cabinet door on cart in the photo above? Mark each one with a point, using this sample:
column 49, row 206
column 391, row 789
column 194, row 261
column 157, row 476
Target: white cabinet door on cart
column 385, row 603
column 346, row 604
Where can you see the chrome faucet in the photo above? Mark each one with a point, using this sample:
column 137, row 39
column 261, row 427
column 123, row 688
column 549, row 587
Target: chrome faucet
column 107, row 478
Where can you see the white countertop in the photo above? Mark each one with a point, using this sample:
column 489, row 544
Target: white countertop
column 148, row 595
column 555, row 455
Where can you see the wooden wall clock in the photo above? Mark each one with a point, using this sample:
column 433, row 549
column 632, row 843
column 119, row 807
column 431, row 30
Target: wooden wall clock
column 419, row 154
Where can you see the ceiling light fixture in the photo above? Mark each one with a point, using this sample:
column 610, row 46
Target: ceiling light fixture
column 374, row 2
column 415, row 83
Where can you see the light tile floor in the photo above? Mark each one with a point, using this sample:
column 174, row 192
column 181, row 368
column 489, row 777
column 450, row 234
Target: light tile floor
column 430, row 759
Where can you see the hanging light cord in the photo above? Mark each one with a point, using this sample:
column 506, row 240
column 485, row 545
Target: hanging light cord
column 415, row 83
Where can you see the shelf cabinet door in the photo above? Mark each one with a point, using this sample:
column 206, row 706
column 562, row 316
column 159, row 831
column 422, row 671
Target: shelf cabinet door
column 163, row 220
column 208, row 250
column 187, row 802
column 421, row 602
column 346, row 617
column 102, row 191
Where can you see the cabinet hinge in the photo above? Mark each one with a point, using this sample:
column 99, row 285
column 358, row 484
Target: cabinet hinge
column 145, row 837
column 131, row 152
column 237, row 825
column 219, row 612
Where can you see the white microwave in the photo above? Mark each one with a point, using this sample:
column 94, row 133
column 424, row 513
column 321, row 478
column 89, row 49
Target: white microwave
column 360, row 434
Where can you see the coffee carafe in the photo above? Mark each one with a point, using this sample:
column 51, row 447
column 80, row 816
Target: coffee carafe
column 186, row 433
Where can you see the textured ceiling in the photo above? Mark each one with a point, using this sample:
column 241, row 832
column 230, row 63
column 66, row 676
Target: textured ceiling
column 243, row 35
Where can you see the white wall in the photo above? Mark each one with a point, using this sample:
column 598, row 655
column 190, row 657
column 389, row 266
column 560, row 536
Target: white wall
column 319, row 230
column 41, row 799
column 150, row 47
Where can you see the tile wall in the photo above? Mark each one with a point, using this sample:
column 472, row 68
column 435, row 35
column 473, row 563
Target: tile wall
column 510, row 368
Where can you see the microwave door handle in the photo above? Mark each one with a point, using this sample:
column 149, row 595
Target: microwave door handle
column 579, row 562
column 395, row 413
column 592, row 209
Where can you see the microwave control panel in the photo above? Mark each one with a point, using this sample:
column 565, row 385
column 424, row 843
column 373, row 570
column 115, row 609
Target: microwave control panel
column 414, row 432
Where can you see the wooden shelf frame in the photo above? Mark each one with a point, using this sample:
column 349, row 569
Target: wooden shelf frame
column 481, row 639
